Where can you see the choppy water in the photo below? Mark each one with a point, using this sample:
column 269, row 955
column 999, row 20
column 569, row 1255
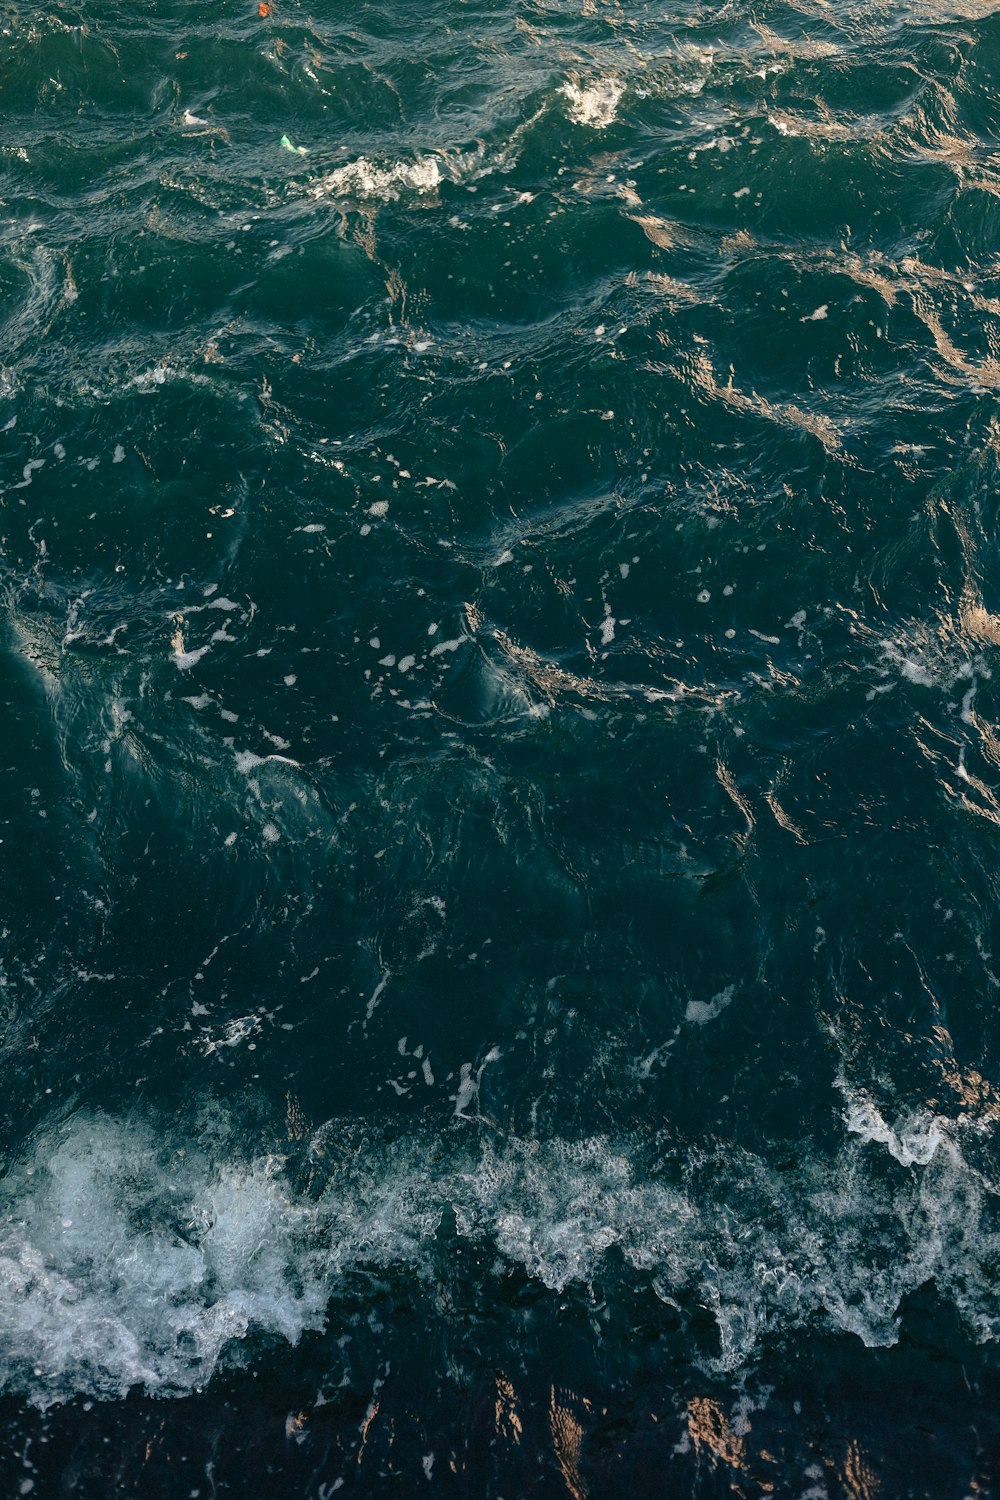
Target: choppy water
column 501, row 766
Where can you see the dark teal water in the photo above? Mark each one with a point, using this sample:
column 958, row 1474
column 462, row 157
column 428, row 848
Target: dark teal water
column 500, row 764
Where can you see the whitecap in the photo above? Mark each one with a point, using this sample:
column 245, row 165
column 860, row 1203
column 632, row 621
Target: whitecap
column 595, row 103
column 130, row 1259
column 368, row 179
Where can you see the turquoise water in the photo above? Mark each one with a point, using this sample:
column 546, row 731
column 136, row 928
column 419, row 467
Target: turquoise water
column 501, row 767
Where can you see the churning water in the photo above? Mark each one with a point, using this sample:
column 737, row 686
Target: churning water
column 500, row 584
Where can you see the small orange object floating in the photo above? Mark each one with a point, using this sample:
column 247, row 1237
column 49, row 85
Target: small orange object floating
column 263, row 8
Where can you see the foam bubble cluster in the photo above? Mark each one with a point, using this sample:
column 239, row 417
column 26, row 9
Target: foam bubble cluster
column 126, row 1261
column 594, row 103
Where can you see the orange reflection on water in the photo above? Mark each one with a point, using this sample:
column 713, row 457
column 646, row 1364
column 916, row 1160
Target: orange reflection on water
column 711, row 1430
column 567, row 1439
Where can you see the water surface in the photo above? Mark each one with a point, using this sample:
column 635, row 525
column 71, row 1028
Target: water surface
column 498, row 509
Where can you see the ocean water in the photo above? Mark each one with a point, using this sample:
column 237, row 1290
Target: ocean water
column 500, row 591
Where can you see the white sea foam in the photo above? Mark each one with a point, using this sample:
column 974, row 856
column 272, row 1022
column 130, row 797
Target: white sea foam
column 913, row 1141
column 595, row 103
column 126, row 1259
column 123, row 1264
column 184, row 660
column 702, row 1011
column 368, row 179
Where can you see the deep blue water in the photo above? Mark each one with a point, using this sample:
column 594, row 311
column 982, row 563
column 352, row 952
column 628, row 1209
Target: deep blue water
column 500, row 591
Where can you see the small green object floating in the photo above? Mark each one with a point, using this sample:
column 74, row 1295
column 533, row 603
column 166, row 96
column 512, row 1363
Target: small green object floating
column 298, row 150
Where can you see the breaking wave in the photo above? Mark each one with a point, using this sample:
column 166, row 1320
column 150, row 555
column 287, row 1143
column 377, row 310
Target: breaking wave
column 129, row 1261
